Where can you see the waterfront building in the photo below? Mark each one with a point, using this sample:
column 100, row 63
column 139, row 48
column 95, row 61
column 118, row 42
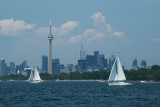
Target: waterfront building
column 101, row 61
column 96, row 56
column 55, row 66
column 82, row 60
column 22, row 66
column 81, row 65
column 143, row 64
column 135, row 65
column 50, row 38
column 111, row 62
column 3, row 67
column 82, row 53
column 12, row 67
column 105, row 63
column 65, row 70
column 90, row 61
column 44, row 64
column 17, row 69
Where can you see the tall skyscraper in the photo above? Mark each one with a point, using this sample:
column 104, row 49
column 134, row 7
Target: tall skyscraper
column 56, row 66
column 12, row 67
column 50, row 38
column 105, row 63
column 134, row 65
column 44, row 64
column 81, row 65
column 96, row 55
column 23, row 65
column 82, row 59
column 82, row 52
column 101, row 61
column 143, row 64
column 3, row 67
column 90, row 61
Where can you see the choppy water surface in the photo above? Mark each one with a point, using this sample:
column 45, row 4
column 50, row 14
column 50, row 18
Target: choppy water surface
column 77, row 94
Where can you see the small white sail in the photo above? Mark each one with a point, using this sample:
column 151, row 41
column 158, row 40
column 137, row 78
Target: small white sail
column 120, row 71
column 31, row 76
column 113, row 74
column 36, row 74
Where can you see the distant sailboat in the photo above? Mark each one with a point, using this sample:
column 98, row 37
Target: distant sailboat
column 117, row 76
column 34, row 76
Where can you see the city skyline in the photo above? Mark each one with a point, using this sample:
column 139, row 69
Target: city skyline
column 127, row 29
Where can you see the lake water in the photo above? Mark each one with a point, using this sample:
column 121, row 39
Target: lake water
column 78, row 94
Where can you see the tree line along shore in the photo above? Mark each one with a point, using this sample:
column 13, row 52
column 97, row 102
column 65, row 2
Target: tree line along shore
column 150, row 74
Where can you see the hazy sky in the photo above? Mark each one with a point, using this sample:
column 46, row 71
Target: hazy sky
column 127, row 28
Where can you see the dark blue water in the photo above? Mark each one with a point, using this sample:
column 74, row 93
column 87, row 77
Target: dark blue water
column 78, row 94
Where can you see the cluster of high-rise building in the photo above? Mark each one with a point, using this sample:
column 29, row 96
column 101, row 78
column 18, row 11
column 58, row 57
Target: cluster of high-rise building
column 12, row 68
column 55, row 65
column 94, row 62
column 135, row 66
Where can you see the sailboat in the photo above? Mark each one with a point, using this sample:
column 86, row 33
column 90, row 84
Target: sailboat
column 117, row 76
column 34, row 76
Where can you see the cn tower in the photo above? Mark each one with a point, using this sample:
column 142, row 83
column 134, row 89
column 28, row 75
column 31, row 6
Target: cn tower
column 50, row 38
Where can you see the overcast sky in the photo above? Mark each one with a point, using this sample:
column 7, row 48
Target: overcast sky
column 127, row 28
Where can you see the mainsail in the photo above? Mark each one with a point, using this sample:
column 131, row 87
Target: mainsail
column 113, row 74
column 121, row 75
column 36, row 74
column 117, row 73
column 31, row 76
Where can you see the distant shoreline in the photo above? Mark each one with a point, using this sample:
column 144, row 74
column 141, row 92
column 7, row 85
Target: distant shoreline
column 81, row 80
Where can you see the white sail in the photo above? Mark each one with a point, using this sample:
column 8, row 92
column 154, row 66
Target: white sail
column 120, row 71
column 31, row 76
column 36, row 74
column 113, row 74
column 117, row 76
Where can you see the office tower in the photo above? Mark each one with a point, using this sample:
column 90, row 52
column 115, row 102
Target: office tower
column 105, row 63
column 82, row 60
column 81, row 65
column 82, row 55
column 143, row 64
column 55, row 66
column 90, row 61
column 96, row 55
column 22, row 66
column 111, row 62
column 44, row 64
column 50, row 38
column 12, row 67
column 101, row 61
column 17, row 69
column 134, row 65
column 3, row 67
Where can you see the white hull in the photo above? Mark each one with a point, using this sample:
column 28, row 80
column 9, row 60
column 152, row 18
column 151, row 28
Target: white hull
column 35, row 81
column 12, row 80
column 119, row 84
column 101, row 81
